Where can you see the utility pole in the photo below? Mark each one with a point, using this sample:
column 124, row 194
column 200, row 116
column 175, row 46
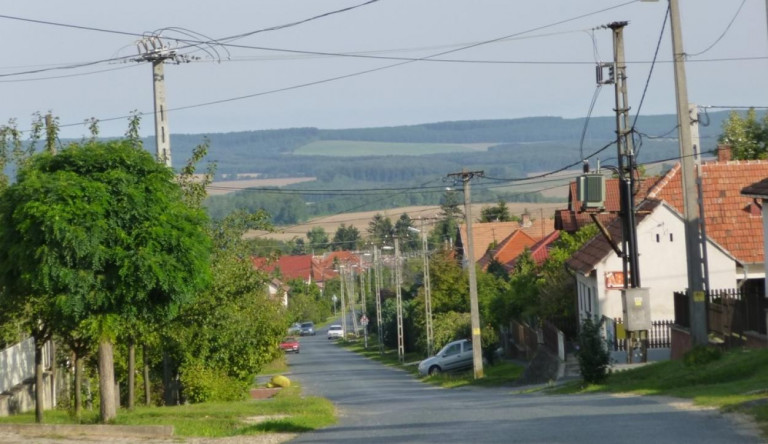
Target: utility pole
column 694, row 241
column 427, row 292
column 399, row 301
column 626, row 159
column 51, row 131
column 153, row 50
column 469, row 254
column 377, row 283
column 343, row 304
column 351, row 290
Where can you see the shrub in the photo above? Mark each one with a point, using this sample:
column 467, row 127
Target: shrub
column 593, row 354
column 204, row 384
column 701, row 355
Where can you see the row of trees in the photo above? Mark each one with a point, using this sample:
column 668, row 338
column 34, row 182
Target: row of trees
column 102, row 245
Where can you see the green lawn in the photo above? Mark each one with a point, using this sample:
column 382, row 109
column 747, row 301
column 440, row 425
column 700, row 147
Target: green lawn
column 738, row 381
column 291, row 412
column 346, row 148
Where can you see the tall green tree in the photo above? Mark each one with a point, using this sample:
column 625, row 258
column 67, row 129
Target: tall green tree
column 100, row 231
column 447, row 226
column 346, row 238
column 318, row 239
column 379, row 229
column 404, row 229
column 747, row 136
column 497, row 213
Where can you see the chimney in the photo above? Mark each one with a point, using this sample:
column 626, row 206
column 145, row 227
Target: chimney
column 723, row 153
column 526, row 222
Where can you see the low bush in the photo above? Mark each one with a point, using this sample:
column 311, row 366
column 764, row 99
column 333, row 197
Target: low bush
column 203, row 384
column 701, row 355
column 593, row 354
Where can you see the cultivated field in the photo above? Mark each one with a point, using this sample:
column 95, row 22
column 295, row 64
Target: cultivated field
column 360, row 220
column 346, row 148
column 230, row 186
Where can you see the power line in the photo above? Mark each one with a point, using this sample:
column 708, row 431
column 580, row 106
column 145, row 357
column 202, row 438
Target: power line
column 725, row 31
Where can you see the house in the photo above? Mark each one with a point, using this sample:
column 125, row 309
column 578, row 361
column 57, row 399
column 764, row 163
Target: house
column 662, row 264
column 759, row 192
column 509, row 250
column 277, row 290
column 488, row 236
column 288, row 267
column 733, row 224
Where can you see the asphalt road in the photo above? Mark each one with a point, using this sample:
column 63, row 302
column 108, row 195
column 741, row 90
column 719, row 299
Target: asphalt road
column 378, row 404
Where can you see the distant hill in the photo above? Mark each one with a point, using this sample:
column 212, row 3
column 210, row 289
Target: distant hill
column 416, row 159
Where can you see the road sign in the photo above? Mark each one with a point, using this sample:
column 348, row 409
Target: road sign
column 364, row 320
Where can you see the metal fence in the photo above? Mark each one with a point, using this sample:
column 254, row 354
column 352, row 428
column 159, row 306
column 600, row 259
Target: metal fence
column 658, row 336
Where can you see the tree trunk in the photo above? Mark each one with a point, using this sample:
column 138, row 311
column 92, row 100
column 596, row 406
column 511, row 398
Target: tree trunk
column 39, row 389
column 147, row 393
column 108, row 409
column 78, row 386
column 131, row 373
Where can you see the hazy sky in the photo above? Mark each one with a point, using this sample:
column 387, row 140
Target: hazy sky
column 551, row 41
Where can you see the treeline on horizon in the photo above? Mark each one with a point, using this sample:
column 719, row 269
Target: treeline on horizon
column 518, row 147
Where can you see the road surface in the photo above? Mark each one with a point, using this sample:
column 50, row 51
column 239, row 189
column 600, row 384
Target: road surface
column 379, row 404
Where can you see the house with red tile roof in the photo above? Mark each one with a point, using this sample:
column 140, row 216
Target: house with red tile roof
column 488, row 236
column 733, row 224
column 287, row 267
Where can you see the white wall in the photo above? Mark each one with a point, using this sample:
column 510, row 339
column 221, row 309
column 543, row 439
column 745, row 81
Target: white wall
column 663, row 268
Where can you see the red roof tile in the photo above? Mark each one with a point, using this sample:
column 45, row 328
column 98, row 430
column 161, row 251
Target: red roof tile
column 490, row 234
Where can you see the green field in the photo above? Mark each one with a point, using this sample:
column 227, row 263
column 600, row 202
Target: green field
column 347, row 148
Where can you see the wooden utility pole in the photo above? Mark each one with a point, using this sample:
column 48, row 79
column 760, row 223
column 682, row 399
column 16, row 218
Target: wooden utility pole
column 469, row 255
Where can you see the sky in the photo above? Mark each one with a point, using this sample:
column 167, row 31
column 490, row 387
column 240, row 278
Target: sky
column 510, row 59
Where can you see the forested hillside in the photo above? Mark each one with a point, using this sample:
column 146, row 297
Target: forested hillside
column 504, row 149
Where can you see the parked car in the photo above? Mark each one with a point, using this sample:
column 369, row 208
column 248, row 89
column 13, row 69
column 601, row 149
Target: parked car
column 335, row 332
column 294, row 329
column 307, row 329
column 290, row 344
column 455, row 356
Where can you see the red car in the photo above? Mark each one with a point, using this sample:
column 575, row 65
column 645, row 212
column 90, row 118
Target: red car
column 290, row 344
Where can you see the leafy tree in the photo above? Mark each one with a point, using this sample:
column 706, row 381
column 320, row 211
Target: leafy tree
column 233, row 329
column 305, row 302
column 498, row 213
column 379, row 229
column 318, row 239
column 97, row 232
column 747, row 136
column 346, row 238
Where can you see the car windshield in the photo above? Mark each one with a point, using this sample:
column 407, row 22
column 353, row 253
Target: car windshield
column 307, row 324
column 335, row 327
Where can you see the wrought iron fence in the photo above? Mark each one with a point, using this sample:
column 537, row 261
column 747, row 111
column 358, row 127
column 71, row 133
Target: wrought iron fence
column 658, row 336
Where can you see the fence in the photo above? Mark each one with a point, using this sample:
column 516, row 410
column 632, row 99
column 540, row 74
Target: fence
column 524, row 337
column 730, row 313
column 658, row 336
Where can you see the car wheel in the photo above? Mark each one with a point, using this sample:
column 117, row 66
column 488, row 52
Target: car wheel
column 434, row 370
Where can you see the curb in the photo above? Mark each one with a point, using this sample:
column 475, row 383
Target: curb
column 137, row 431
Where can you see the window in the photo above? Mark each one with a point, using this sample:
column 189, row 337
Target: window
column 468, row 346
column 454, row 349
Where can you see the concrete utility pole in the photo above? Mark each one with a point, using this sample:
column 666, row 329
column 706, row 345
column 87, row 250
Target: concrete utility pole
column 343, row 304
column 153, row 50
column 469, row 254
column 427, row 293
column 377, row 283
column 694, row 241
column 399, row 301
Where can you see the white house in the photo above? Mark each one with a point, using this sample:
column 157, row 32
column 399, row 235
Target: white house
column 661, row 262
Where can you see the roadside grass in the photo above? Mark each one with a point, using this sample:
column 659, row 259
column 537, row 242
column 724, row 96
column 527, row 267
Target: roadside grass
column 286, row 412
column 500, row 374
column 737, row 382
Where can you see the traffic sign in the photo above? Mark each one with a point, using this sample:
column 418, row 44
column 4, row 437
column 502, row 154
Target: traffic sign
column 364, row 320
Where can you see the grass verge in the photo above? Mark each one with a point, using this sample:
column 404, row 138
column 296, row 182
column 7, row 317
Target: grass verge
column 287, row 412
column 737, row 382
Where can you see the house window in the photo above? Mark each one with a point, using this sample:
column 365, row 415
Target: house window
column 670, row 237
column 589, row 300
column 658, row 238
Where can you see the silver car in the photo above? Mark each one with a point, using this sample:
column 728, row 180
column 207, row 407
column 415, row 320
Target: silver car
column 456, row 355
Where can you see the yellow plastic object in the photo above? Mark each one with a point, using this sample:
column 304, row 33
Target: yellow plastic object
column 280, row 381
